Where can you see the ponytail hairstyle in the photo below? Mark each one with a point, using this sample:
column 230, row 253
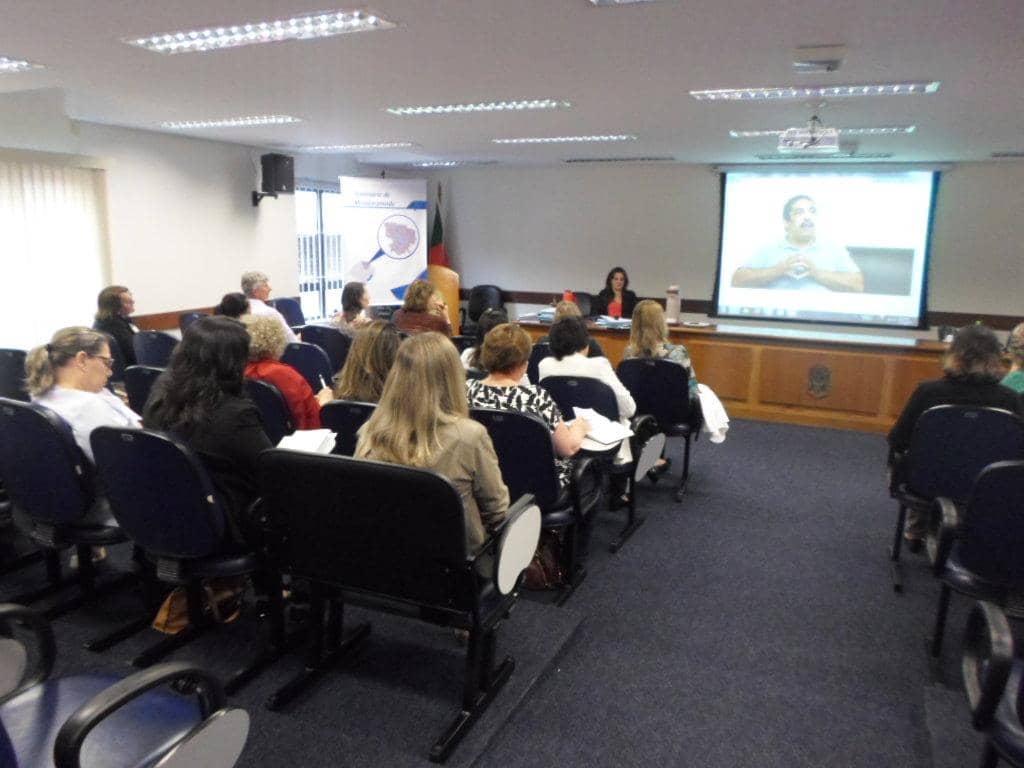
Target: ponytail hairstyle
column 42, row 362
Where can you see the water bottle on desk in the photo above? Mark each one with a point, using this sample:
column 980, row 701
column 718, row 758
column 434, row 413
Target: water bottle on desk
column 672, row 304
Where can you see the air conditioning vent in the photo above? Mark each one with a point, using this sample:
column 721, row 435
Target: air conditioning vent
column 840, row 156
column 1008, row 155
column 647, row 159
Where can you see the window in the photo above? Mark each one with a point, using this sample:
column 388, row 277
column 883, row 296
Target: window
column 52, row 250
column 318, row 225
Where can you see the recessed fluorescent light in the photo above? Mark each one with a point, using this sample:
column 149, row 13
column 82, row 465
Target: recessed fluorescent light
column 816, row 91
column 826, row 158
column 303, row 27
column 487, row 106
column 358, row 147
column 564, row 139
column 879, row 130
column 16, row 65
column 621, row 2
column 439, row 164
column 231, row 122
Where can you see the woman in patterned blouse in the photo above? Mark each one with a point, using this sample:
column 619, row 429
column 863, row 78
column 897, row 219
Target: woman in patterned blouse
column 505, row 354
column 649, row 338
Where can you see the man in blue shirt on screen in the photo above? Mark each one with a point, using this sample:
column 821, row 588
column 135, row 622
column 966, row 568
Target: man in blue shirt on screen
column 801, row 261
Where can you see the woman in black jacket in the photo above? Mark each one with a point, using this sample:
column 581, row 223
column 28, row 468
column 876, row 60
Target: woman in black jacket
column 114, row 307
column 615, row 300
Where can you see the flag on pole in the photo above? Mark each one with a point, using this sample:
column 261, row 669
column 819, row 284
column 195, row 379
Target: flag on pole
column 437, row 254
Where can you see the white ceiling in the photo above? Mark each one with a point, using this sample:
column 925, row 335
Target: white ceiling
column 624, row 69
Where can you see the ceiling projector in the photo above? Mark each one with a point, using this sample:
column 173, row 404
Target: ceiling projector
column 812, row 138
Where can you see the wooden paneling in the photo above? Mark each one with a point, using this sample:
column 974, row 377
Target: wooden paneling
column 726, row 368
column 847, row 382
column 908, row 372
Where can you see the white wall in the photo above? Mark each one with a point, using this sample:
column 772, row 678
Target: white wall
column 552, row 228
column 181, row 225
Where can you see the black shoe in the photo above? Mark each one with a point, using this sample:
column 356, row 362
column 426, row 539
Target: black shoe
column 618, row 502
column 658, row 470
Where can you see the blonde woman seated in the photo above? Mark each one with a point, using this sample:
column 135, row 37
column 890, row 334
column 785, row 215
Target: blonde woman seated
column 649, row 338
column 422, row 420
column 424, row 310
column 368, row 363
column 267, row 341
column 69, row 376
column 1015, row 349
column 506, row 353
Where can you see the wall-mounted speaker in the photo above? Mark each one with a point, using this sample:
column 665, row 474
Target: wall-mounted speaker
column 278, row 174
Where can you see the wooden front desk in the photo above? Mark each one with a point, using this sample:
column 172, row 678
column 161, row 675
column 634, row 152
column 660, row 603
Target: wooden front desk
column 849, row 381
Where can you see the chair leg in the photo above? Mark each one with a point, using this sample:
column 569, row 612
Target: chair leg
column 279, row 645
column 481, row 685
column 633, row 521
column 23, row 560
column 989, row 757
column 572, row 566
column 55, row 580
column 894, row 551
column 197, row 626
column 686, row 469
column 940, row 621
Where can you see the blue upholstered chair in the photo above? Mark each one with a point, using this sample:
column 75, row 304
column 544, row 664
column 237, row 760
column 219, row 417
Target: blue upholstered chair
column 12, row 374
column 138, row 383
column 291, row 311
column 277, row 419
column 539, row 352
column 393, row 538
column 153, row 348
column 185, row 319
column 660, row 388
column 311, row 361
column 332, row 341
column 344, row 418
column 101, row 719
column 949, row 447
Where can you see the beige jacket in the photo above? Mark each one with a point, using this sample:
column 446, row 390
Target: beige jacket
column 467, row 458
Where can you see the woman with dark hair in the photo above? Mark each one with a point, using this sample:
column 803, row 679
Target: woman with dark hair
column 368, row 363
column 973, row 367
column 491, row 318
column 199, row 398
column 354, row 301
column 615, row 299
column 232, row 305
column 114, row 307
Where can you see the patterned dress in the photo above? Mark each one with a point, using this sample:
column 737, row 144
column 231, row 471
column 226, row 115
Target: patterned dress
column 526, row 398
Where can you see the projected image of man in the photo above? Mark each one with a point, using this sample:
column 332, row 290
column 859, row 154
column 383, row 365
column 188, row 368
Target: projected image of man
column 800, row 261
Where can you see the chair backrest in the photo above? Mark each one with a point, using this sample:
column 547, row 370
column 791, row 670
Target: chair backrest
column 311, row 361
column 571, row 391
column 378, row 528
column 462, row 343
column 540, row 350
column 330, row 340
column 12, row 374
column 277, row 418
column 992, row 537
column 344, row 418
column 153, row 348
column 44, row 472
column 659, row 388
column 483, row 297
column 138, row 383
column 475, row 373
column 159, row 492
column 951, row 444
column 525, row 453
column 185, row 319
column 585, row 301
column 117, row 369
column 290, row 309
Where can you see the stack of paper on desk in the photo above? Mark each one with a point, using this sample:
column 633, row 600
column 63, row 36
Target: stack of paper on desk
column 604, row 433
column 309, row 440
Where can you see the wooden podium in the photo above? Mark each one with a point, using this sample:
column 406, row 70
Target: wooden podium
column 446, row 281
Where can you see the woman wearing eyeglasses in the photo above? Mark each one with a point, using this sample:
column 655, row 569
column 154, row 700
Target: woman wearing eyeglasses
column 69, row 376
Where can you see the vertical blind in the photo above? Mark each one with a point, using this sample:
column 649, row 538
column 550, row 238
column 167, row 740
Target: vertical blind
column 52, row 250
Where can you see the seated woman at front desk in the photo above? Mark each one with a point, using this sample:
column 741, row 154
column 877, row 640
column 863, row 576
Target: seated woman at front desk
column 616, row 299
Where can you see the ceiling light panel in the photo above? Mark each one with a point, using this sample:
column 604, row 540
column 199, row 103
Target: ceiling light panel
column 621, row 2
column 788, row 92
column 359, row 147
column 16, row 65
column 486, row 106
column 880, row 130
column 231, row 122
column 565, row 139
column 303, row 27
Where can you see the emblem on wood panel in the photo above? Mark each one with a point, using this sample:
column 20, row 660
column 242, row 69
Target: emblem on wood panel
column 819, row 381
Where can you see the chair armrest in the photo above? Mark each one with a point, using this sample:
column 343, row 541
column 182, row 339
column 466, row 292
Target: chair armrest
column 943, row 527
column 45, row 644
column 515, row 511
column 985, row 676
column 583, row 466
column 897, row 471
column 68, row 745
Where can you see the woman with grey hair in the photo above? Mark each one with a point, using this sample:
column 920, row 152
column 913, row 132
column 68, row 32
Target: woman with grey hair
column 266, row 345
column 69, row 376
column 256, row 287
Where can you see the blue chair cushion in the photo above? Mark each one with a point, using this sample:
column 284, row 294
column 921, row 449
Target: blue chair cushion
column 966, row 581
column 135, row 736
column 1006, row 732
